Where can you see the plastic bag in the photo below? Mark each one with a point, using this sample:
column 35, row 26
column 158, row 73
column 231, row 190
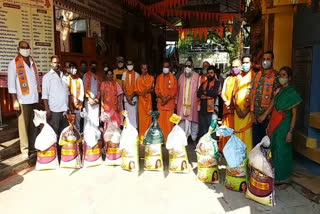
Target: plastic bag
column 237, row 178
column 153, row 159
column 154, row 134
column 207, row 156
column 113, row 152
column 176, row 145
column 45, row 143
column 47, row 137
column 69, row 141
column 261, row 182
column 258, row 158
column 235, row 151
column 129, row 145
column 91, row 155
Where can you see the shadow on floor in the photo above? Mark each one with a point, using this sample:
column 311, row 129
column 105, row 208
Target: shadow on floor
column 10, row 182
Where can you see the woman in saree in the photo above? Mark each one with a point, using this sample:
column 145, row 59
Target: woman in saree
column 282, row 122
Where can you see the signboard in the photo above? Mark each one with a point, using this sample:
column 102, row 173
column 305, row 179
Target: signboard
column 29, row 20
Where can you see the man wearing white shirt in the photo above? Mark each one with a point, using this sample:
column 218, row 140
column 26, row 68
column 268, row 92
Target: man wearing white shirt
column 24, row 87
column 55, row 94
column 77, row 93
column 129, row 79
column 65, row 73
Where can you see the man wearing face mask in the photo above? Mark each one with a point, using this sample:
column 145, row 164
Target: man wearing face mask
column 117, row 73
column 83, row 68
column 187, row 99
column 65, row 73
column 241, row 100
column 166, row 90
column 55, row 95
column 264, row 84
column 129, row 79
column 92, row 94
column 203, row 77
column 226, row 95
column 208, row 93
column 24, row 87
column 77, row 93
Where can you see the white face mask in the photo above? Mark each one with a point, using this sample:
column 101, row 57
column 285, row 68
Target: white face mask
column 25, row 52
column 130, row 67
column 73, row 71
column 105, row 69
column 165, row 70
column 188, row 70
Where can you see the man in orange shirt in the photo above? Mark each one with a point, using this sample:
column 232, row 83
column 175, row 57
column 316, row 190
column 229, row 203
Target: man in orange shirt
column 166, row 90
column 144, row 88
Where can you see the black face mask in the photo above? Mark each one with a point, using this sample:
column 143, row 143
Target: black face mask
column 83, row 69
column 210, row 78
column 93, row 69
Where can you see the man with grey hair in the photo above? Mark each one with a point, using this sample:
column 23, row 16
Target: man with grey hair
column 24, row 87
column 186, row 99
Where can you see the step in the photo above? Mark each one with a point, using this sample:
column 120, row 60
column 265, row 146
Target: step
column 9, row 149
column 304, row 140
column 6, row 135
column 310, row 153
column 14, row 164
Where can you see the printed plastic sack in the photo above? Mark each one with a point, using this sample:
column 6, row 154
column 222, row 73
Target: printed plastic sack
column 91, row 155
column 176, row 145
column 111, row 137
column 261, row 185
column 153, row 159
column 69, row 141
column 259, row 160
column 235, row 151
column 207, row 155
column 237, row 178
column 45, row 143
column 154, row 134
column 129, row 145
column 113, row 152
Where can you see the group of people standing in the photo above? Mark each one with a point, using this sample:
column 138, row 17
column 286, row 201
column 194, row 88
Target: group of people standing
column 254, row 103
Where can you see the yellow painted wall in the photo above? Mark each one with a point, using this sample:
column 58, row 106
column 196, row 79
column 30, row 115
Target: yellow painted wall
column 282, row 41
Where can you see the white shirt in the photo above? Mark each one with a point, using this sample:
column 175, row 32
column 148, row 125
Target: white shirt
column 56, row 91
column 124, row 76
column 14, row 84
column 74, row 89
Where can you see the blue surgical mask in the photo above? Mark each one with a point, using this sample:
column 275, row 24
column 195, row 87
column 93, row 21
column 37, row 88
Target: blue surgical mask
column 246, row 67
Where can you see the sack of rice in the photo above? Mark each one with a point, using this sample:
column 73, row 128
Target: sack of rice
column 45, row 143
column 70, row 150
column 176, row 146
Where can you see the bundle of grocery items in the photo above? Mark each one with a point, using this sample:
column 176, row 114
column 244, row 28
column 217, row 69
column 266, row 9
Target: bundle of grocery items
column 45, row 143
column 129, row 146
column 111, row 137
column 235, row 154
column 261, row 181
column 153, row 141
column 69, row 141
column 91, row 143
column 207, row 156
column 176, row 145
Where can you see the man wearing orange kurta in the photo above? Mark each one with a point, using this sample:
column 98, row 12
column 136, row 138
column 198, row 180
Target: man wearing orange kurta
column 226, row 95
column 144, row 88
column 166, row 90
